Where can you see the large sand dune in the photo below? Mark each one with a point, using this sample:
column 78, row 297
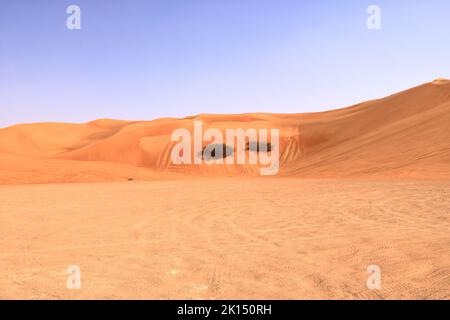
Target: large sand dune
column 366, row 185
column 406, row 135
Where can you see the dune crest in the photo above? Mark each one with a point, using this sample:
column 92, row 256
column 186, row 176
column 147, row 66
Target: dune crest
column 441, row 81
column 405, row 135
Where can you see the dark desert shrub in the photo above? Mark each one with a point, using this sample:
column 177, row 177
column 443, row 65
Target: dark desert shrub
column 222, row 150
column 259, row 146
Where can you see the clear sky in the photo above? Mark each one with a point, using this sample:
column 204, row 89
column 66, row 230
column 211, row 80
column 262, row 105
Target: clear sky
column 147, row 59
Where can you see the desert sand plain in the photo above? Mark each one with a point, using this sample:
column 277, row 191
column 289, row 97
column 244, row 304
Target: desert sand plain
column 364, row 185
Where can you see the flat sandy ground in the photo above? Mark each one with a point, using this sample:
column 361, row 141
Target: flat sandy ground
column 226, row 238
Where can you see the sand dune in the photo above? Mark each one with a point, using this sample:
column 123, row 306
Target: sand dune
column 155, row 230
column 405, row 135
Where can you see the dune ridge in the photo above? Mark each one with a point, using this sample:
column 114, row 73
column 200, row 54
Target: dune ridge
column 405, row 135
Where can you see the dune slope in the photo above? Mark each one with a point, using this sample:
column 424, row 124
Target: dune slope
column 404, row 135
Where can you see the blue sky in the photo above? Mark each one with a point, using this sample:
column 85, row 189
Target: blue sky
column 148, row 59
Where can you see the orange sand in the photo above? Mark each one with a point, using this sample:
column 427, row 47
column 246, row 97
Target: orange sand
column 406, row 135
column 357, row 186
